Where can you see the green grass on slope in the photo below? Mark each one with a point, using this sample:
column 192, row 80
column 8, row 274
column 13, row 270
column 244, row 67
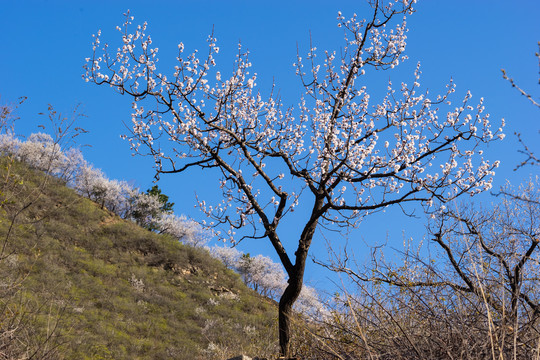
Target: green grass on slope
column 85, row 284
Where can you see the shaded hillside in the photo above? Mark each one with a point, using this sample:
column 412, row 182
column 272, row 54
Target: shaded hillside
column 81, row 283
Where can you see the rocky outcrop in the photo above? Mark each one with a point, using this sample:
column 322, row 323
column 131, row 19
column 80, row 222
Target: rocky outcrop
column 244, row 357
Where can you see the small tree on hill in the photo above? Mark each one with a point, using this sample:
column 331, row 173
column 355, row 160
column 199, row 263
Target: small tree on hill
column 166, row 206
column 183, row 229
column 145, row 210
column 338, row 154
column 148, row 208
column 262, row 274
column 113, row 195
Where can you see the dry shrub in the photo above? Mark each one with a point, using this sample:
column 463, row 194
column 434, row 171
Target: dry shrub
column 472, row 292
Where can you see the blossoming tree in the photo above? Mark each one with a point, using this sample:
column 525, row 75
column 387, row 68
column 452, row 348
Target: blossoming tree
column 336, row 153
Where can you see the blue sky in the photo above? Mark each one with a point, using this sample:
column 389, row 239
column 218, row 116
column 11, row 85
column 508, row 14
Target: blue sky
column 44, row 44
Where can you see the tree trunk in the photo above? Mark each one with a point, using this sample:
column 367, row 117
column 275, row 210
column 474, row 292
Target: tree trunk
column 296, row 279
column 286, row 302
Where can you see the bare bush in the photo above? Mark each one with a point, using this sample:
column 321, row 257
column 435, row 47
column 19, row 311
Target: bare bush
column 472, row 292
column 530, row 157
column 20, row 335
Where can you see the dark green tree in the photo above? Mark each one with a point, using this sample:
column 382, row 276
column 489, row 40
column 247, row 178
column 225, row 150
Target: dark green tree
column 167, row 207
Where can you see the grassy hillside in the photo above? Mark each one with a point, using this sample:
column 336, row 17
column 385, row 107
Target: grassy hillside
column 78, row 282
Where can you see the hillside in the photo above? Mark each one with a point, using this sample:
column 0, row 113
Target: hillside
column 79, row 282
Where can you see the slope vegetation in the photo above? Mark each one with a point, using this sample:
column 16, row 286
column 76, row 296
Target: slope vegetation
column 78, row 282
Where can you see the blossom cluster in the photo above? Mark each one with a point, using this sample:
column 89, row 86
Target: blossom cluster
column 359, row 155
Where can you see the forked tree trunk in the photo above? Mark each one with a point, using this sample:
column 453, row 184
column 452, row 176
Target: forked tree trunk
column 296, row 279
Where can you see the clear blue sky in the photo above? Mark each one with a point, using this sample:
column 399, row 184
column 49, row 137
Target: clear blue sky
column 44, row 44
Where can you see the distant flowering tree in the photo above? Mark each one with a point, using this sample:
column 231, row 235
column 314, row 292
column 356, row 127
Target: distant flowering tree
column 227, row 255
column 9, row 144
column 56, row 154
column 260, row 272
column 337, row 153
column 186, row 231
column 144, row 209
column 40, row 152
column 68, row 169
column 113, row 195
column 266, row 277
column 148, row 208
